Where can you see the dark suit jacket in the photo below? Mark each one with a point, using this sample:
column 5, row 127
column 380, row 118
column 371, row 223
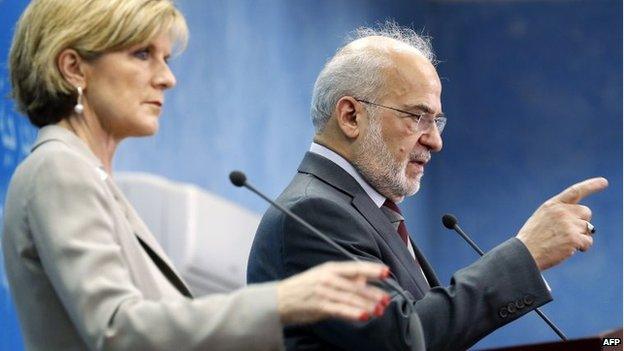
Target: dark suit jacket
column 498, row 288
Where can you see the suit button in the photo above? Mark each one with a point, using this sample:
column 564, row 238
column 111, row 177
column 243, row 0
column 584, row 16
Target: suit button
column 528, row 300
column 503, row 312
column 519, row 304
column 511, row 307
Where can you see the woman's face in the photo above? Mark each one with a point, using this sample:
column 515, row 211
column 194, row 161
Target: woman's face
column 125, row 89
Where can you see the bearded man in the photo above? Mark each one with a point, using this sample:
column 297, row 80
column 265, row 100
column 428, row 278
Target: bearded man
column 378, row 117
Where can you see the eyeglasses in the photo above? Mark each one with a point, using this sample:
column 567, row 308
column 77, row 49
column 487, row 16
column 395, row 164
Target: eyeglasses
column 416, row 118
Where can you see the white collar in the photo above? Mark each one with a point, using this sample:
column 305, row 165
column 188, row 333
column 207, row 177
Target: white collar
column 331, row 155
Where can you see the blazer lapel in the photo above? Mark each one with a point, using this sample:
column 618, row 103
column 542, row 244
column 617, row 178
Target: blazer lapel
column 335, row 176
column 147, row 241
column 145, row 238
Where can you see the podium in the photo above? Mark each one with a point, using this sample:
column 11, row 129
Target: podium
column 583, row 344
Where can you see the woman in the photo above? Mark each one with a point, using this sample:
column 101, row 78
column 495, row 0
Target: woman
column 84, row 270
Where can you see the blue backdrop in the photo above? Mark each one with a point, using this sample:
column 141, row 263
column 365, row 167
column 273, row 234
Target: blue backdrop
column 533, row 91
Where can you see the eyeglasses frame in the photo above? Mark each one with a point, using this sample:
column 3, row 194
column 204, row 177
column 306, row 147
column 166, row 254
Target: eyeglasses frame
column 439, row 122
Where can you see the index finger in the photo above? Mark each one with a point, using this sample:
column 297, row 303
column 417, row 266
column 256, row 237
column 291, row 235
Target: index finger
column 578, row 191
column 369, row 270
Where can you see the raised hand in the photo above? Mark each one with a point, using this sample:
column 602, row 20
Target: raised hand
column 559, row 226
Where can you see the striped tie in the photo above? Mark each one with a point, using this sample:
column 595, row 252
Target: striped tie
column 402, row 229
column 392, row 211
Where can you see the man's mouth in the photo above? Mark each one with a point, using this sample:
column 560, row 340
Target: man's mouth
column 421, row 160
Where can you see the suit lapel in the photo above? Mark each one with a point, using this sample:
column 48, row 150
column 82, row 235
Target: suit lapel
column 145, row 238
column 386, row 230
column 147, row 241
column 332, row 174
column 432, row 278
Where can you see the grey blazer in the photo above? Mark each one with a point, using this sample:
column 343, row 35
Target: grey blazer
column 86, row 273
column 497, row 289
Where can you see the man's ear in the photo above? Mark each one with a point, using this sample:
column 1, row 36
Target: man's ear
column 71, row 66
column 349, row 116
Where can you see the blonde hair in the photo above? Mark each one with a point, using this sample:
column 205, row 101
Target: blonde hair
column 92, row 28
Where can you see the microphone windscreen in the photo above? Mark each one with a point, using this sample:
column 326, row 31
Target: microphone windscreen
column 449, row 221
column 238, row 178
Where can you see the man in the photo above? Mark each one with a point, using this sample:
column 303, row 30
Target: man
column 378, row 117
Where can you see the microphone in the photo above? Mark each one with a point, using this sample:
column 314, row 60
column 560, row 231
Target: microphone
column 450, row 222
column 239, row 179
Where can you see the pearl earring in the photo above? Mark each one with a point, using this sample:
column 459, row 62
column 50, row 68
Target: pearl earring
column 79, row 107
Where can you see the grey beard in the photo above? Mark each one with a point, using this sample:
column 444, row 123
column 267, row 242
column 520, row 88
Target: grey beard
column 378, row 167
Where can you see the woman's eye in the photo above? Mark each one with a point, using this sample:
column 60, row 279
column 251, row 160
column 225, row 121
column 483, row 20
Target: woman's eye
column 142, row 54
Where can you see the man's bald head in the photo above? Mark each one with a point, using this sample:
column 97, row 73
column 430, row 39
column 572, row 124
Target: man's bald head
column 360, row 68
column 382, row 45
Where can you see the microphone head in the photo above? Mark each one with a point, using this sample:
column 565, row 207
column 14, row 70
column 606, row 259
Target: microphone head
column 449, row 221
column 238, row 178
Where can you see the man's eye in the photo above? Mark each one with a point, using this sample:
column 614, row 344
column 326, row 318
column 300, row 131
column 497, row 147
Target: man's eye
column 416, row 117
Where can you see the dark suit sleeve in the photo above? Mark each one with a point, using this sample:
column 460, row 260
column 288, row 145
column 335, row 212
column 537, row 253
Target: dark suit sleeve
column 498, row 288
